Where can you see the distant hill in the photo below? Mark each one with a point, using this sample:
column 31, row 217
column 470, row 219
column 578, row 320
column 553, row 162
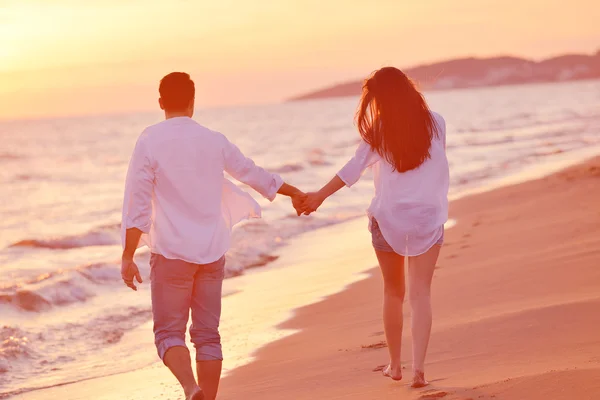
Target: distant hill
column 479, row 72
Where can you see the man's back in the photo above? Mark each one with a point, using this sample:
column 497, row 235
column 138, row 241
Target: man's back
column 179, row 164
column 188, row 162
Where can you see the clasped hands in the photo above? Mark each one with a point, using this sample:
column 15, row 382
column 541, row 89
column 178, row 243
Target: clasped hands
column 306, row 203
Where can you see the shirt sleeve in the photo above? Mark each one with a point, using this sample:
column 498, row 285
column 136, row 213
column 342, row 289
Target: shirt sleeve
column 245, row 170
column 363, row 159
column 139, row 185
column 441, row 128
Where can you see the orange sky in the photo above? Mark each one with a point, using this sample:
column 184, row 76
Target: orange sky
column 63, row 57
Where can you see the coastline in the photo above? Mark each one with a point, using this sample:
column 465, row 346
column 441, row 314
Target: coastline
column 498, row 290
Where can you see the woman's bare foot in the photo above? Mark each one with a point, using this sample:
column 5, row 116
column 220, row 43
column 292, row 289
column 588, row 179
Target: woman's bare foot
column 419, row 380
column 395, row 374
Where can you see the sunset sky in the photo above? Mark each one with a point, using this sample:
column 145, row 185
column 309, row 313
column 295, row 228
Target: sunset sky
column 65, row 57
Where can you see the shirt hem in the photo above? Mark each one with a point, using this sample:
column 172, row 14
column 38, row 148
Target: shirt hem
column 169, row 257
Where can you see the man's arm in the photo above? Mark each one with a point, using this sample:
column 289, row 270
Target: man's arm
column 137, row 210
column 269, row 185
column 132, row 240
column 139, row 185
column 298, row 197
column 129, row 268
column 245, row 170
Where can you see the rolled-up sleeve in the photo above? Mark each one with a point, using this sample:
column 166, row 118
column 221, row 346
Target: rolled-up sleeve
column 139, row 185
column 245, row 170
column 363, row 158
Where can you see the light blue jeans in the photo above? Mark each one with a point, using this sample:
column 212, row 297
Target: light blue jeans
column 178, row 287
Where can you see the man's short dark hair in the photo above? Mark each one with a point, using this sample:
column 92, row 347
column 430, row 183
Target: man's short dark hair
column 177, row 91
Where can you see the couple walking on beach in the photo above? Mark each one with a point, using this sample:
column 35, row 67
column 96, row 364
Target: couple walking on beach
column 178, row 202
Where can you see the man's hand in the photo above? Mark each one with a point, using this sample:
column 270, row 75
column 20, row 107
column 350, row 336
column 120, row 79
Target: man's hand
column 298, row 200
column 297, row 196
column 312, row 203
column 129, row 270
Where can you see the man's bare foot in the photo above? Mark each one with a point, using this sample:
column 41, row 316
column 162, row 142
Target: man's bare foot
column 419, row 380
column 197, row 395
column 395, row 374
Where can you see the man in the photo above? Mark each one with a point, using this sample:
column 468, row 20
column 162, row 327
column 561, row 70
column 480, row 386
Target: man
column 178, row 201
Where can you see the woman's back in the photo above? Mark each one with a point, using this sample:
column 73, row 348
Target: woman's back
column 411, row 207
column 420, row 191
column 405, row 142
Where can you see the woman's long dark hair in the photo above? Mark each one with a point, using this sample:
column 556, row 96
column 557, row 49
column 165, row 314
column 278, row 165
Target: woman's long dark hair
column 394, row 119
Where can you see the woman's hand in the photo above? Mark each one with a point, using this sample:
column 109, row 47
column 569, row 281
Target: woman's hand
column 297, row 196
column 313, row 202
column 298, row 200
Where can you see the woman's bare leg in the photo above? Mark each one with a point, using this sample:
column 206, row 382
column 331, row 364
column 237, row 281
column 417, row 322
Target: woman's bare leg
column 420, row 275
column 392, row 269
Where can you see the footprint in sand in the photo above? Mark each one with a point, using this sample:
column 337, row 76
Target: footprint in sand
column 379, row 368
column 377, row 333
column 378, row 345
column 434, row 395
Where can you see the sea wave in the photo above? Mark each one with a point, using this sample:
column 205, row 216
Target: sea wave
column 51, row 348
column 30, row 177
column 254, row 244
column 317, row 158
column 7, row 156
column 103, row 236
column 287, row 168
column 59, row 288
column 14, row 344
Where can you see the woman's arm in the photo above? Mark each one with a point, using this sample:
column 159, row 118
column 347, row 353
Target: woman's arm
column 314, row 200
column 347, row 176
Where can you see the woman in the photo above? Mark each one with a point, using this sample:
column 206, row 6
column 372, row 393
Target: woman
column 405, row 143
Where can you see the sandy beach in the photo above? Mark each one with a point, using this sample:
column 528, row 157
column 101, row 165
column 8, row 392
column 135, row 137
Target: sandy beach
column 516, row 298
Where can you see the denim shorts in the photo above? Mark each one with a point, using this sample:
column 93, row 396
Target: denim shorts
column 380, row 244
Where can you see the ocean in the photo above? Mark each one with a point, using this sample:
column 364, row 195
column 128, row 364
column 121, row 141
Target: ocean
column 65, row 314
